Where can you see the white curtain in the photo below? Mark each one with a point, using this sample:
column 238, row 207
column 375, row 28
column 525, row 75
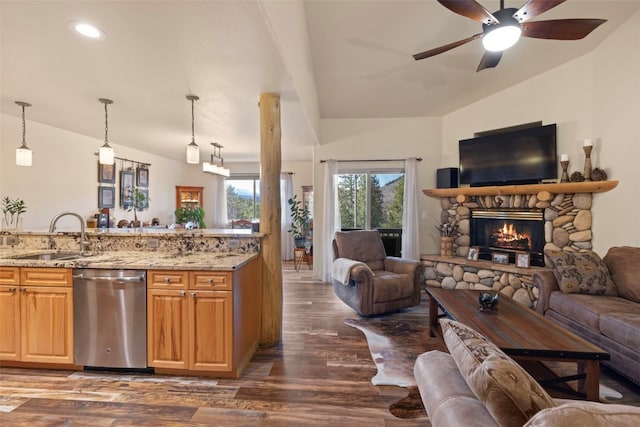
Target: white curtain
column 218, row 214
column 286, row 190
column 410, row 230
column 331, row 218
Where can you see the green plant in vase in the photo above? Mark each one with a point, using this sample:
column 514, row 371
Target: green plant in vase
column 194, row 215
column 300, row 216
column 11, row 211
column 139, row 202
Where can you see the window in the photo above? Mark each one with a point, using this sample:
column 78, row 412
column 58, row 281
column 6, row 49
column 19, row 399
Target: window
column 371, row 199
column 243, row 198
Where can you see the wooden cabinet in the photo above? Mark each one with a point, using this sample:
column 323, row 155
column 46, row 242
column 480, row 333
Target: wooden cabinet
column 36, row 314
column 188, row 197
column 190, row 328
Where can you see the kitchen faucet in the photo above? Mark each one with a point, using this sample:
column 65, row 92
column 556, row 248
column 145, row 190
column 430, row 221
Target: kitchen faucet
column 55, row 219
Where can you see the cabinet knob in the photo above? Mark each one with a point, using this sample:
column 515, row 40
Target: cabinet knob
column 193, row 294
column 209, row 280
column 166, row 280
column 12, row 289
column 23, row 289
column 182, row 293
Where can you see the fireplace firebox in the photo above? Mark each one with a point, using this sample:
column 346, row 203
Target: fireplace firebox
column 510, row 231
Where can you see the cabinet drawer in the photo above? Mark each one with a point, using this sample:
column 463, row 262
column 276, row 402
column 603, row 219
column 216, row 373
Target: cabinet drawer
column 45, row 276
column 167, row 279
column 9, row 275
column 210, row 281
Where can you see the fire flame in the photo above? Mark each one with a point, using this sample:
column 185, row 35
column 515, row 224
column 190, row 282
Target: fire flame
column 508, row 234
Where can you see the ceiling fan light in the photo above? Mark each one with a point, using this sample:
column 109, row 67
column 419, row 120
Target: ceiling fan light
column 501, row 38
column 24, row 156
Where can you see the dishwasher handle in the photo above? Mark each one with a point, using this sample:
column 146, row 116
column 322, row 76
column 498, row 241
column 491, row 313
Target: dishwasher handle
column 110, row 279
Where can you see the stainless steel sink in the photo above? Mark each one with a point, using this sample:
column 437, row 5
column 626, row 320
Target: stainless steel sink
column 49, row 256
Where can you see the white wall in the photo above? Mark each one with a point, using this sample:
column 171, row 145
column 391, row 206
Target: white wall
column 596, row 96
column 64, row 176
column 389, row 138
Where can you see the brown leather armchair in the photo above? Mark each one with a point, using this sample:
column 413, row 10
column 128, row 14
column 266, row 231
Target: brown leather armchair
column 379, row 283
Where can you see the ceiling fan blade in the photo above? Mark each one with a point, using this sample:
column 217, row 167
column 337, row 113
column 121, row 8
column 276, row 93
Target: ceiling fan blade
column 471, row 9
column 561, row 29
column 489, row 60
column 534, row 8
column 438, row 50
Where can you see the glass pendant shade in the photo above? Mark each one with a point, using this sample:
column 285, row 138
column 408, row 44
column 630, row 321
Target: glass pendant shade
column 23, row 156
column 193, row 153
column 106, row 155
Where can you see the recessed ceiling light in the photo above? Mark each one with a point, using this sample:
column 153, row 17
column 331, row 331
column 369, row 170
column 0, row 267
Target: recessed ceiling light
column 87, row 30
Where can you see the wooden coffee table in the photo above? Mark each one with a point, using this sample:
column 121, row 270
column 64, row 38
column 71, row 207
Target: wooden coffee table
column 522, row 333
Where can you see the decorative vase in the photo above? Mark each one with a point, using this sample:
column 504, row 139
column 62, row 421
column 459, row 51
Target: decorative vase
column 446, row 246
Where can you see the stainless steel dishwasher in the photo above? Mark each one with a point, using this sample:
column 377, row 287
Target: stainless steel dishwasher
column 110, row 318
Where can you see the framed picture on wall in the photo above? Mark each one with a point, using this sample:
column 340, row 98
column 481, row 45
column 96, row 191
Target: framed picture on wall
column 142, row 176
column 474, row 253
column 126, row 189
column 107, row 173
column 106, row 197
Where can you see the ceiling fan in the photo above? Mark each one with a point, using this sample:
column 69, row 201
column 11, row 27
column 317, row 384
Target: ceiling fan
column 502, row 29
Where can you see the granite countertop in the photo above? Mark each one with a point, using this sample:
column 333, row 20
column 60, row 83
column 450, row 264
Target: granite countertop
column 196, row 260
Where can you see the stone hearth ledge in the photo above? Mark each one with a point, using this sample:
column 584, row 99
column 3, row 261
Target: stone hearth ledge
column 461, row 273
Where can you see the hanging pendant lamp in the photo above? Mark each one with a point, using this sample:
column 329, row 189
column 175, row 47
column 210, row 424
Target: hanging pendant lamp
column 106, row 155
column 193, row 151
column 23, row 152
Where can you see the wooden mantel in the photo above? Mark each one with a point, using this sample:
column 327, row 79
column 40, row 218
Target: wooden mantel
column 504, row 190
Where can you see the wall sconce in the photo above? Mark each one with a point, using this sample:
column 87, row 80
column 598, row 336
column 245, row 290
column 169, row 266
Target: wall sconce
column 106, row 155
column 23, row 152
column 211, row 167
column 193, row 151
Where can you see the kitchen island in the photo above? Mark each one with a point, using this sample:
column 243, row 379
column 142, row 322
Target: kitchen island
column 203, row 298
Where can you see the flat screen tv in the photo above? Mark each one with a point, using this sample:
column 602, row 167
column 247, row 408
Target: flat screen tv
column 525, row 156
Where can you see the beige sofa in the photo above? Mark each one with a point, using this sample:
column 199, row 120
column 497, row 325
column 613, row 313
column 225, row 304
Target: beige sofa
column 598, row 300
column 477, row 384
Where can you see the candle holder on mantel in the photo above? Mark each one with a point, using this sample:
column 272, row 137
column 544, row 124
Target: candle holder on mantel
column 565, row 175
column 587, row 162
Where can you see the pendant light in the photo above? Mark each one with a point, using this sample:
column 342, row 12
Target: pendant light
column 193, row 151
column 106, row 155
column 23, row 152
column 211, row 167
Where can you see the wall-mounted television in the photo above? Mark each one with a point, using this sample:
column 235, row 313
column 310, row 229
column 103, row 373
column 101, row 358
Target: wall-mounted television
column 523, row 156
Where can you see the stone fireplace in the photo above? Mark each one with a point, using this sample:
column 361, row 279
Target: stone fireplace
column 556, row 217
column 508, row 230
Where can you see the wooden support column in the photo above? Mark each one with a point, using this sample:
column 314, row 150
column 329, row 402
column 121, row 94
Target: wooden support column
column 270, row 214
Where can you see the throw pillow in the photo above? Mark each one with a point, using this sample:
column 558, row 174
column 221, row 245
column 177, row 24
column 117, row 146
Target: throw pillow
column 508, row 392
column 581, row 272
column 592, row 414
column 624, row 266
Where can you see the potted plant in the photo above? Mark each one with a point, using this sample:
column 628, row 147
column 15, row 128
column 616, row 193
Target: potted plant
column 194, row 215
column 11, row 210
column 139, row 202
column 300, row 221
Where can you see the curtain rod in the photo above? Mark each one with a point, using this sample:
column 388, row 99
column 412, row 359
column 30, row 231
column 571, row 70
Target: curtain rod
column 373, row 160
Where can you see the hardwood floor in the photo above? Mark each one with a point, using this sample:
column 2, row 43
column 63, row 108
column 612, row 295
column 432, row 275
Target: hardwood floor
column 318, row 375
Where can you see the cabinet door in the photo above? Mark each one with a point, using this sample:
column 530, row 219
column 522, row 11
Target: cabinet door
column 9, row 323
column 46, row 320
column 167, row 329
column 210, row 330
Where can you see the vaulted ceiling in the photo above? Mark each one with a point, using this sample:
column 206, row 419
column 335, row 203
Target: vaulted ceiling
column 335, row 59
